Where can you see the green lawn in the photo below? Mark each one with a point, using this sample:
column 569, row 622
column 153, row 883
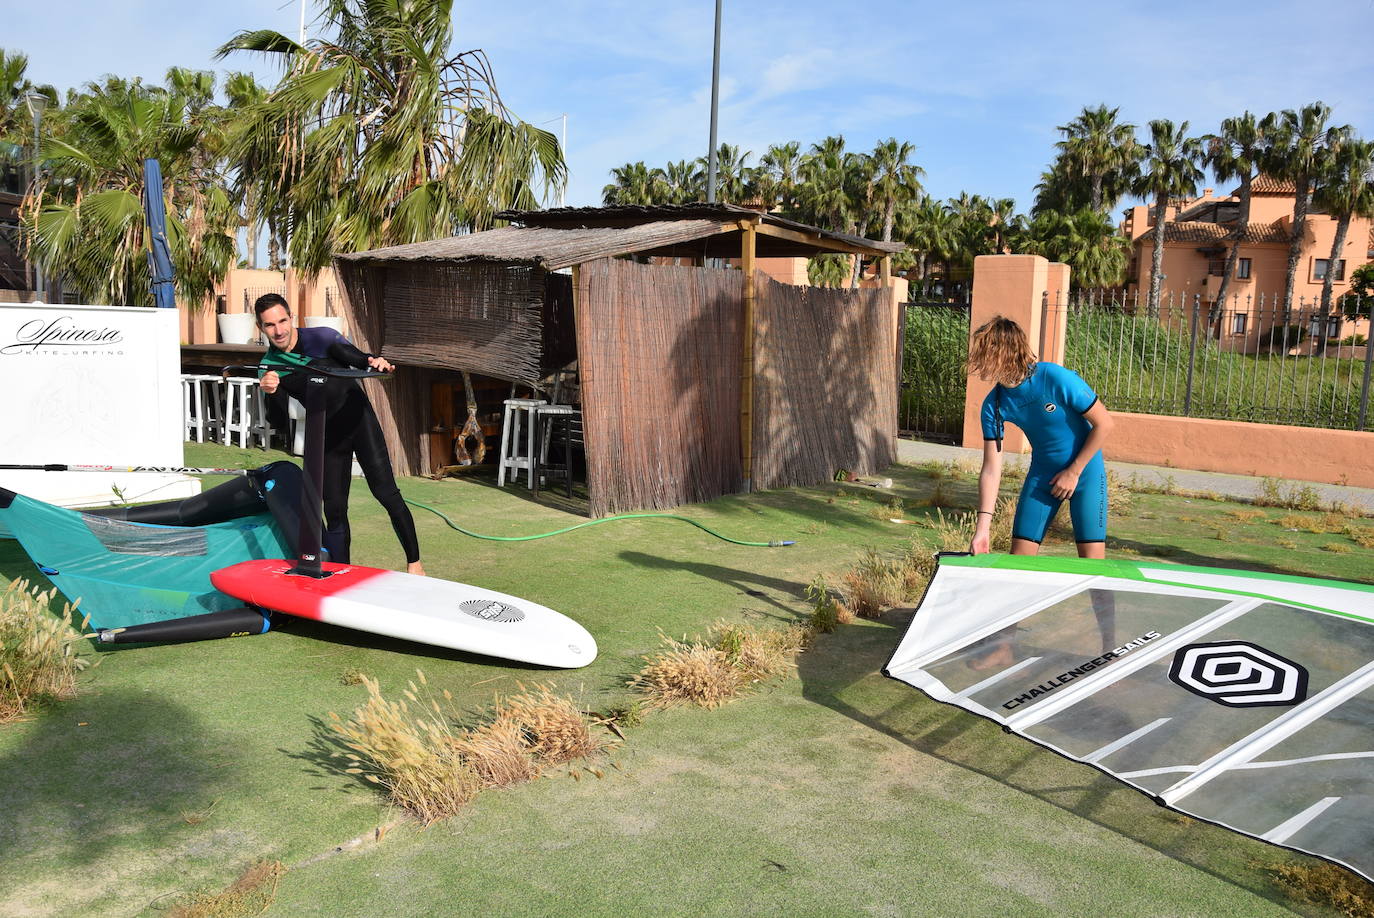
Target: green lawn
column 839, row 792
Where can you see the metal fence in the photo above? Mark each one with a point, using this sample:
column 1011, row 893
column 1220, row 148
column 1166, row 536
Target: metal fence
column 934, row 370
column 251, row 294
column 1249, row 359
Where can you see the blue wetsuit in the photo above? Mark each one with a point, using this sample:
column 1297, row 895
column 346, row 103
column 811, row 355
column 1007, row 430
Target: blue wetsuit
column 1049, row 406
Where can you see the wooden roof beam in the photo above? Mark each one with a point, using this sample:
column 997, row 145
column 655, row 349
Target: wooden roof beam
column 815, row 239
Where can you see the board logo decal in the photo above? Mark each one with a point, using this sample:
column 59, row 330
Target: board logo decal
column 1239, row 674
column 489, row 610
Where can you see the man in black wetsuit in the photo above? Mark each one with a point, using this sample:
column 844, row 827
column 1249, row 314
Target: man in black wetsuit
column 351, row 428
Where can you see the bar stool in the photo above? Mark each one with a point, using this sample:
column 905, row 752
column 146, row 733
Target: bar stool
column 245, row 413
column 200, row 402
column 511, row 457
column 555, row 423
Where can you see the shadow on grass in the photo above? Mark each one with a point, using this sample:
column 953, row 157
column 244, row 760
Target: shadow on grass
column 840, row 672
column 750, row 583
column 103, row 774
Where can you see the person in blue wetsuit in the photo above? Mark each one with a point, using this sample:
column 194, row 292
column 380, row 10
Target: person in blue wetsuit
column 351, row 428
column 1066, row 424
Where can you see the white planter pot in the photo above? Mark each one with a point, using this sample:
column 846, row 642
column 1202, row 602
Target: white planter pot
column 334, row 322
column 238, row 328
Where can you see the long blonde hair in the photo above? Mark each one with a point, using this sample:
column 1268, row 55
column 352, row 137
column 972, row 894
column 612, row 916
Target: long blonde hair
column 1000, row 352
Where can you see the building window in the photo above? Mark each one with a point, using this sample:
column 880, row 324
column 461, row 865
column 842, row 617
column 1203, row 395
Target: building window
column 1320, row 265
column 1243, row 269
column 1216, row 267
column 1333, row 326
column 1238, row 320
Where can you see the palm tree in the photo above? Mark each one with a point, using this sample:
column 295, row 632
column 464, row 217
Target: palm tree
column 245, row 95
column 383, row 136
column 16, row 123
column 684, row 182
column 931, row 229
column 1170, row 171
column 777, row 176
column 90, row 219
column 732, row 174
column 895, row 180
column 1086, row 240
column 1101, row 150
column 632, row 183
column 1234, row 154
column 1296, row 144
column 1346, row 190
column 825, row 193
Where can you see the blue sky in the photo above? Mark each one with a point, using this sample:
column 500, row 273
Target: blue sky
column 978, row 88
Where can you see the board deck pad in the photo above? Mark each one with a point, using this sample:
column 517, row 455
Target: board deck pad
column 423, row 609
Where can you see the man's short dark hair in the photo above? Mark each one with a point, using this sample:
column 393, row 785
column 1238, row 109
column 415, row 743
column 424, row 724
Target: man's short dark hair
column 267, row 301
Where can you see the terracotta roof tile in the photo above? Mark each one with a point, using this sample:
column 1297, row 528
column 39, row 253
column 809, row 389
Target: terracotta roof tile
column 1267, row 184
column 1191, row 231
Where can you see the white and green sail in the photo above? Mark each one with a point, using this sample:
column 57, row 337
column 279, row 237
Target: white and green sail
column 1241, row 698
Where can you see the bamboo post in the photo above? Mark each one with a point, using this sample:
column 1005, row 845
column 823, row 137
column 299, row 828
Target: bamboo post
column 746, row 388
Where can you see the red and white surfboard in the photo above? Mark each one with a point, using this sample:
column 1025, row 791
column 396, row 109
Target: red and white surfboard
column 423, row 609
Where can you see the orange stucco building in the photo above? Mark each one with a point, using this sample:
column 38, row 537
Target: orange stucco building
column 1195, row 245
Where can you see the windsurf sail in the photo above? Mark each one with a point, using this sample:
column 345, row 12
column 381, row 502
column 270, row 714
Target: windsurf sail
column 1240, row 698
column 133, row 565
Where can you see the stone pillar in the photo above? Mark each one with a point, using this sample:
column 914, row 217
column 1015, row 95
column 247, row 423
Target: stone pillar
column 1014, row 286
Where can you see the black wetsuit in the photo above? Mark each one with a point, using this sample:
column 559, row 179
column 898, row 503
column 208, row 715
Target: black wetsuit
column 351, row 428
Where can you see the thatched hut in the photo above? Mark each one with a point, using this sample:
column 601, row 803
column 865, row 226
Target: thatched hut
column 695, row 381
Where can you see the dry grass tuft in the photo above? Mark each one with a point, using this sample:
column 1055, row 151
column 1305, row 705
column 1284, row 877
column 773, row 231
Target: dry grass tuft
column 711, row 671
column 827, row 611
column 38, row 658
column 1290, row 495
column 1286, row 542
column 554, row 728
column 431, row 767
column 1362, row 536
column 414, row 756
column 251, row 894
column 1328, row 885
column 1120, row 497
column 874, row 584
column 1337, row 548
column 939, row 497
column 760, row 653
column 687, row 673
column 1247, row 516
column 497, row 752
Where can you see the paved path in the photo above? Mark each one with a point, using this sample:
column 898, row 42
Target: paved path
column 1242, row 487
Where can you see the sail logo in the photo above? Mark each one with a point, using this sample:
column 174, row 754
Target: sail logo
column 1239, row 674
column 489, row 610
column 59, row 332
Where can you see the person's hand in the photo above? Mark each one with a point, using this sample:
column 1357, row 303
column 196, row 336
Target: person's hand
column 981, row 544
column 1064, row 483
column 269, row 381
column 380, row 364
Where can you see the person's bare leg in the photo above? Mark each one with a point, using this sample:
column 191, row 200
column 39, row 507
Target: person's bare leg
column 999, row 653
column 415, row 567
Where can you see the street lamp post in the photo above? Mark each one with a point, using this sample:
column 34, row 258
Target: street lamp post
column 37, row 103
column 711, row 161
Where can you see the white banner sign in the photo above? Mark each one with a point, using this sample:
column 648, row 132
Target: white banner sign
column 90, row 385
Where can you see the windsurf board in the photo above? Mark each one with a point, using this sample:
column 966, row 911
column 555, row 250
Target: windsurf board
column 414, row 608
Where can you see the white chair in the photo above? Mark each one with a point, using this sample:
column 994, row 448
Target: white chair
column 511, row 456
column 245, row 413
column 296, row 412
column 201, row 403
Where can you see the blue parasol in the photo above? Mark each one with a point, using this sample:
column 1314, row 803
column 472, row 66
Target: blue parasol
column 159, row 253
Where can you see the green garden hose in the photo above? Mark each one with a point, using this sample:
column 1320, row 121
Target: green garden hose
column 777, row 543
